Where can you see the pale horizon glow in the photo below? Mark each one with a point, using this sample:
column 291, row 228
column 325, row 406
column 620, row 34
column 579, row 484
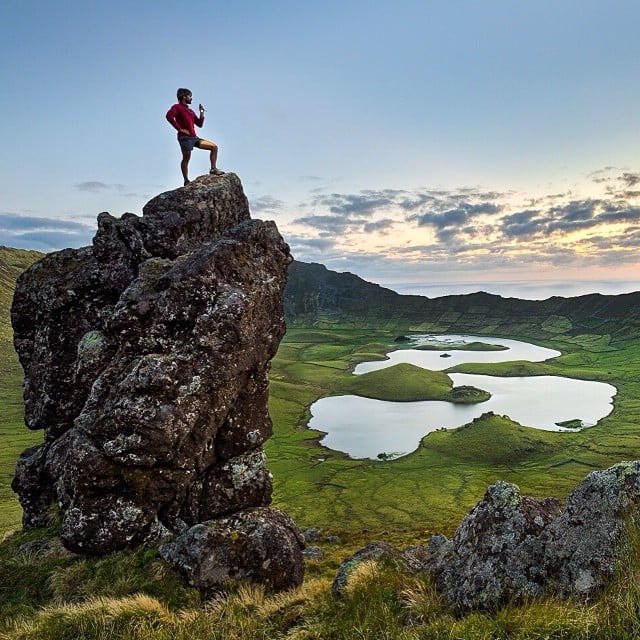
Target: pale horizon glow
column 414, row 143
column 521, row 289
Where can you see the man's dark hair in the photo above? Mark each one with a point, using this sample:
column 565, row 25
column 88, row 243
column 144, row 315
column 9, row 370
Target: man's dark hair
column 181, row 93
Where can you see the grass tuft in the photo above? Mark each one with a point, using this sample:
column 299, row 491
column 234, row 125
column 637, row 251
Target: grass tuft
column 138, row 616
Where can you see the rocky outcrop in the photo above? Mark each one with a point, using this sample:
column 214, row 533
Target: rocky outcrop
column 510, row 547
column 146, row 360
column 496, row 553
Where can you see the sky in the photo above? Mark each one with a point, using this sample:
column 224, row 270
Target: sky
column 429, row 146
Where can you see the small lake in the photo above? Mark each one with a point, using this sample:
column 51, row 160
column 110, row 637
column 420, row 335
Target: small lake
column 363, row 427
column 433, row 360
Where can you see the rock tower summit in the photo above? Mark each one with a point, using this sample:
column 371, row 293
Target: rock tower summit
column 146, row 360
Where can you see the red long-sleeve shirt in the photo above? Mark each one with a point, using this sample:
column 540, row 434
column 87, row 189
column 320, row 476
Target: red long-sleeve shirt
column 182, row 117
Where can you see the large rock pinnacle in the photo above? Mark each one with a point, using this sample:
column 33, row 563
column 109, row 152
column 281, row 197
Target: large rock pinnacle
column 146, row 360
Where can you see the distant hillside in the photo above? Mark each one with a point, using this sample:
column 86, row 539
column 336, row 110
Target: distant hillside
column 12, row 263
column 316, row 296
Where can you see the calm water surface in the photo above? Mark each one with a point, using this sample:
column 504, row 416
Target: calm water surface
column 363, row 427
column 433, row 360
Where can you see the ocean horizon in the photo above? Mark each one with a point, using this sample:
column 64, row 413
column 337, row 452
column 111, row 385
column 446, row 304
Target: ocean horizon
column 522, row 289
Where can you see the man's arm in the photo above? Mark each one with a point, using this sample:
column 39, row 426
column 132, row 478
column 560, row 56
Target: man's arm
column 199, row 119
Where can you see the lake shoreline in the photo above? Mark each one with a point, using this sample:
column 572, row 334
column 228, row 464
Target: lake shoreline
column 363, row 422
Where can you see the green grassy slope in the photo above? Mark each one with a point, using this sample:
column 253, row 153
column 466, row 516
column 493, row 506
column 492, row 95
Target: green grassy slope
column 14, row 437
column 406, row 382
column 12, row 263
column 401, row 382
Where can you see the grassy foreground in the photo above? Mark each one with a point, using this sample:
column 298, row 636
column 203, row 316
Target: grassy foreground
column 134, row 596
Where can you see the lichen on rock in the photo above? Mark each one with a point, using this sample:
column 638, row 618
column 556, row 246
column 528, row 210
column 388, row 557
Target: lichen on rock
column 146, row 359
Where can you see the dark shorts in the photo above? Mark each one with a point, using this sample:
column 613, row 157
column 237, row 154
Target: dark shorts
column 188, row 142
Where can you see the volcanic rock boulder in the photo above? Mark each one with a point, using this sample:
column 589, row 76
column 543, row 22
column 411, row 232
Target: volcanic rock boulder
column 146, row 360
column 495, row 554
column 261, row 545
column 511, row 547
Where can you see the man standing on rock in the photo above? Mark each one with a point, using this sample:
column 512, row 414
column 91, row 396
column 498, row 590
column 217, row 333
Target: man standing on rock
column 182, row 118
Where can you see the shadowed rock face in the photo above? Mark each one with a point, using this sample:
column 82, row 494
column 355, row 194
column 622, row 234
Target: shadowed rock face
column 146, row 360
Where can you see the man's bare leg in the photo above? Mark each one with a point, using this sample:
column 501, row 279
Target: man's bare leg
column 212, row 147
column 184, row 165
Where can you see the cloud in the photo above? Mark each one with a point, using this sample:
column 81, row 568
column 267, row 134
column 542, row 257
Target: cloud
column 578, row 210
column 449, row 225
column 442, row 200
column 571, row 216
column 348, row 213
column 414, row 201
column 624, row 213
column 442, row 219
column 380, row 225
column 321, row 244
column 336, row 225
column 266, row 203
column 450, row 213
column 92, row 186
column 586, row 214
column 327, row 223
column 458, row 216
column 471, row 228
column 630, row 179
column 363, row 204
column 601, row 175
column 43, row 234
column 311, row 249
column 448, row 235
column 138, row 196
column 16, row 222
column 628, row 239
column 523, row 223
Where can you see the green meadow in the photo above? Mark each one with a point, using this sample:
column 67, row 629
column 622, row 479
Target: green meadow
column 431, row 488
column 49, row 593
